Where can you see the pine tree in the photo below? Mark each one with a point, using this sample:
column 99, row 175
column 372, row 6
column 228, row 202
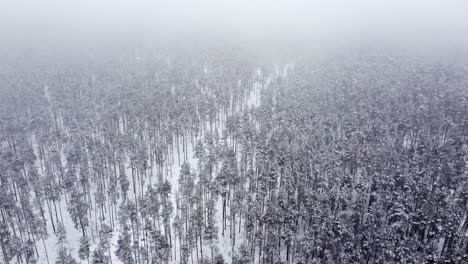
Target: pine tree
column 78, row 209
column 84, row 250
column 211, row 230
column 219, row 259
column 242, row 256
column 65, row 257
column 63, row 253
column 28, row 252
column 124, row 248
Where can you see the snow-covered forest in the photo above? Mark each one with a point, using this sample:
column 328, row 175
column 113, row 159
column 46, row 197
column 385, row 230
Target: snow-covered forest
column 233, row 132
column 222, row 157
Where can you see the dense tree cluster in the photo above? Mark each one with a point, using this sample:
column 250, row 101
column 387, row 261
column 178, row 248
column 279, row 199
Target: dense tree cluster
column 213, row 159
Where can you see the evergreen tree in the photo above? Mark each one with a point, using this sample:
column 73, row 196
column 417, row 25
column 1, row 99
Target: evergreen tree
column 124, row 248
column 84, row 250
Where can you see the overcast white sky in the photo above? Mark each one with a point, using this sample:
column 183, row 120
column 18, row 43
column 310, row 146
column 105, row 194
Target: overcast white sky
column 434, row 18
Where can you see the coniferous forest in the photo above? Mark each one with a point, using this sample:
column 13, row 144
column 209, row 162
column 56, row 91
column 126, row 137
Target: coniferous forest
column 148, row 156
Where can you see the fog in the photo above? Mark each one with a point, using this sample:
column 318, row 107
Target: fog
column 233, row 131
column 319, row 21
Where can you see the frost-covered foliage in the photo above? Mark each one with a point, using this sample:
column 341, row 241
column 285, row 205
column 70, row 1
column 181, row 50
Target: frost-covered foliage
column 221, row 158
